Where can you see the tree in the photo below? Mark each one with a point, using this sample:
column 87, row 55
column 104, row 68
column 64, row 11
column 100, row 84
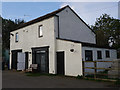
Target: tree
column 106, row 27
column 8, row 26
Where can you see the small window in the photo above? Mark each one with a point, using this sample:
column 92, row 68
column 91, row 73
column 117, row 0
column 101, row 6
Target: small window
column 88, row 55
column 107, row 54
column 16, row 37
column 99, row 55
column 40, row 31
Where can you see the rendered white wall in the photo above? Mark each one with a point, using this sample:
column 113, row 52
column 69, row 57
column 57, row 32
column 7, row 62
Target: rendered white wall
column 71, row 27
column 72, row 60
column 28, row 38
column 113, row 55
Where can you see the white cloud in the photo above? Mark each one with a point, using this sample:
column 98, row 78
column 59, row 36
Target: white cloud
column 89, row 11
column 63, row 5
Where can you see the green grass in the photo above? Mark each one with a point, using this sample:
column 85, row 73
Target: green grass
column 79, row 77
column 99, row 75
column 90, row 75
column 38, row 74
column 33, row 74
column 117, row 82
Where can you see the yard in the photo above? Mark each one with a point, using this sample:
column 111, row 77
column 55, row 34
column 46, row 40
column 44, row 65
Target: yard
column 14, row 79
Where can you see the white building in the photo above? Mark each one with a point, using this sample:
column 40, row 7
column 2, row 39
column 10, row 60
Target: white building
column 57, row 42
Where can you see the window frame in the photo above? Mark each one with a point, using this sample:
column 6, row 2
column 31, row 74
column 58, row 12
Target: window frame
column 99, row 54
column 39, row 31
column 16, row 37
column 91, row 55
column 107, row 55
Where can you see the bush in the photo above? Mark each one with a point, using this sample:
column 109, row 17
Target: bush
column 79, row 77
column 117, row 82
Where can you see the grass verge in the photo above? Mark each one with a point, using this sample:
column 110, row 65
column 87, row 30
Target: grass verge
column 32, row 74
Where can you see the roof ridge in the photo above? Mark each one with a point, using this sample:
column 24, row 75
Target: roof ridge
column 42, row 17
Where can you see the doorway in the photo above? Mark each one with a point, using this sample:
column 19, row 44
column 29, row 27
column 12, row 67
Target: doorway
column 60, row 63
column 26, row 60
column 40, row 57
column 14, row 58
column 41, row 61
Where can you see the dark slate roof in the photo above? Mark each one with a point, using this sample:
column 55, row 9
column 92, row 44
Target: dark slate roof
column 84, row 44
column 41, row 18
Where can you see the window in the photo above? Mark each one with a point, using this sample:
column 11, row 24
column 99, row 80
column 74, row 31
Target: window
column 16, row 37
column 107, row 54
column 40, row 31
column 99, row 55
column 88, row 55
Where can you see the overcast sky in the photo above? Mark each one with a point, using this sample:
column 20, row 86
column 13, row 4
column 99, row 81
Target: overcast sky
column 88, row 11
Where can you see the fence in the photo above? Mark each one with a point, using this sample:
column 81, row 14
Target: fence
column 95, row 74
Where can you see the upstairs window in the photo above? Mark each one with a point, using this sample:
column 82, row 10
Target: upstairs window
column 107, row 54
column 40, row 31
column 16, row 37
column 99, row 55
column 88, row 55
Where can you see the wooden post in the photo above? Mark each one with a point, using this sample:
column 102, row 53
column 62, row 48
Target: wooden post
column 95, row 68
column 83, row 68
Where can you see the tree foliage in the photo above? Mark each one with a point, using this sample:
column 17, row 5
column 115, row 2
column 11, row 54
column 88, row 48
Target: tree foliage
column 8, row 26
column 105, row 27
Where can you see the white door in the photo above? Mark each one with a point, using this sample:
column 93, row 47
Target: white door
column 21, row 61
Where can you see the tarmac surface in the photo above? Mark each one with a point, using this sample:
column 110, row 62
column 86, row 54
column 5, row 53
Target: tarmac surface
column 13, row 79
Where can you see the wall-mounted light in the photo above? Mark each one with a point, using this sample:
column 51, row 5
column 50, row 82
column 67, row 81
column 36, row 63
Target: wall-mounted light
column 72, row 50
column 29, row 52
column 11, row 34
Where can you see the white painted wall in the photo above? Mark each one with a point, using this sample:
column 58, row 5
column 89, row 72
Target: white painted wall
column 73, row 60
column 113, row 55
column 28, row 38
column 71, row 27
